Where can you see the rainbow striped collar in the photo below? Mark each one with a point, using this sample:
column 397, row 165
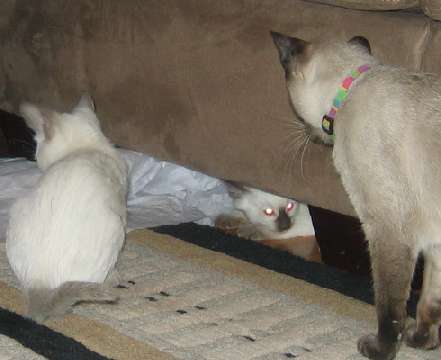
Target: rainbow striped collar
column 342, row 93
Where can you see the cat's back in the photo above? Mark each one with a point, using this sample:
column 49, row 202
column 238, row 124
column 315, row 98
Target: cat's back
column 74, row 219
column 87, row 170
column 392, row 103
column 390, row 128
column 386, row 86
column 88, row 182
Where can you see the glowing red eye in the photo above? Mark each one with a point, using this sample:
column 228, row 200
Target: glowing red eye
column 268, row 212
column 290, row 206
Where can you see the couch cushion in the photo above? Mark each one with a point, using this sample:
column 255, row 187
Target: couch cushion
column 432, row 8
column 196, row 82
column 431, row 60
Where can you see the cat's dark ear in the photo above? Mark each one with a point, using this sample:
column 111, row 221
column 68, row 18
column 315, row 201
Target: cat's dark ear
column 235, row 189
column 42, row 121
column 362, row 42
column 288, row 48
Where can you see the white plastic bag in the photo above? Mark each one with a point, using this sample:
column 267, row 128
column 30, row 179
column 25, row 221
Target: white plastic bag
column 160, row 193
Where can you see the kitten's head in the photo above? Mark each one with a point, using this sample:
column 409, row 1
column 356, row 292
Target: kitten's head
column 272, row 214
column 59, row 134
column 314, row 72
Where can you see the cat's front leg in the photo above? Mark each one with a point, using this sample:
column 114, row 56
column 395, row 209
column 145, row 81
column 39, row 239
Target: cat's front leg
column 250, row 232
column 229, row 223
column 238, row 225
column 393, row 263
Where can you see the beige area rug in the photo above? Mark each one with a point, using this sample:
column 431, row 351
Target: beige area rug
column 191, row 303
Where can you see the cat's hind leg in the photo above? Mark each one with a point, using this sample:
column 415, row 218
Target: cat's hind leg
column 393, row 264
column 424, row 333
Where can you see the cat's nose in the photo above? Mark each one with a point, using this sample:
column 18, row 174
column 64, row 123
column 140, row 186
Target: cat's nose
column 283, row 220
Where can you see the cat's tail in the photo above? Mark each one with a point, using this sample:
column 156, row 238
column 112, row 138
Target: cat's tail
column 45, row 302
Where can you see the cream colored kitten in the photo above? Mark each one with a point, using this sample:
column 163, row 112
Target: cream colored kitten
column 64, row 237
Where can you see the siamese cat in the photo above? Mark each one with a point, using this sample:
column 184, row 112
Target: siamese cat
column 385, row 126
column 64, row 237
column 272, row 220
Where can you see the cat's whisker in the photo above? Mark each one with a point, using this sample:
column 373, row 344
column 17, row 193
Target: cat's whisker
column 303, row 154
column 287, row 163
column 295, row 135
column 296, row 131
column 294, row 128
column 296, row 142
column 298, row 152
column 289, row 122
column 292, row 124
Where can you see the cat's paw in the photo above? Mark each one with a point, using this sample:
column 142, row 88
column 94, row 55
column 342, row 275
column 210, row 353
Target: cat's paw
column 249, row 232
column 422, row 340
column 228, row 223
column 124, row 284
column 370, row 347
column 114, row 280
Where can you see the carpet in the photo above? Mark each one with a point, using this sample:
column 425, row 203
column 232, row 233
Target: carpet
column 190, row 302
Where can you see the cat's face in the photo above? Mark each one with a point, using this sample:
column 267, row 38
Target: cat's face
column 272, row 214
column 58, row 134
column 314, row 72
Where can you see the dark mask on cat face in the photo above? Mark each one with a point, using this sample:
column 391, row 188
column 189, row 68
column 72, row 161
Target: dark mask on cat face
column 270, row 213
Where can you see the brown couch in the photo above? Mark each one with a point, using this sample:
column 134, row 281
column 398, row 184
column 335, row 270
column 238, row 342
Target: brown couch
column 198, row 82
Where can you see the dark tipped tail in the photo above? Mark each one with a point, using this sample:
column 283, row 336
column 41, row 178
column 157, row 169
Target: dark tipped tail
column 44, row 303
